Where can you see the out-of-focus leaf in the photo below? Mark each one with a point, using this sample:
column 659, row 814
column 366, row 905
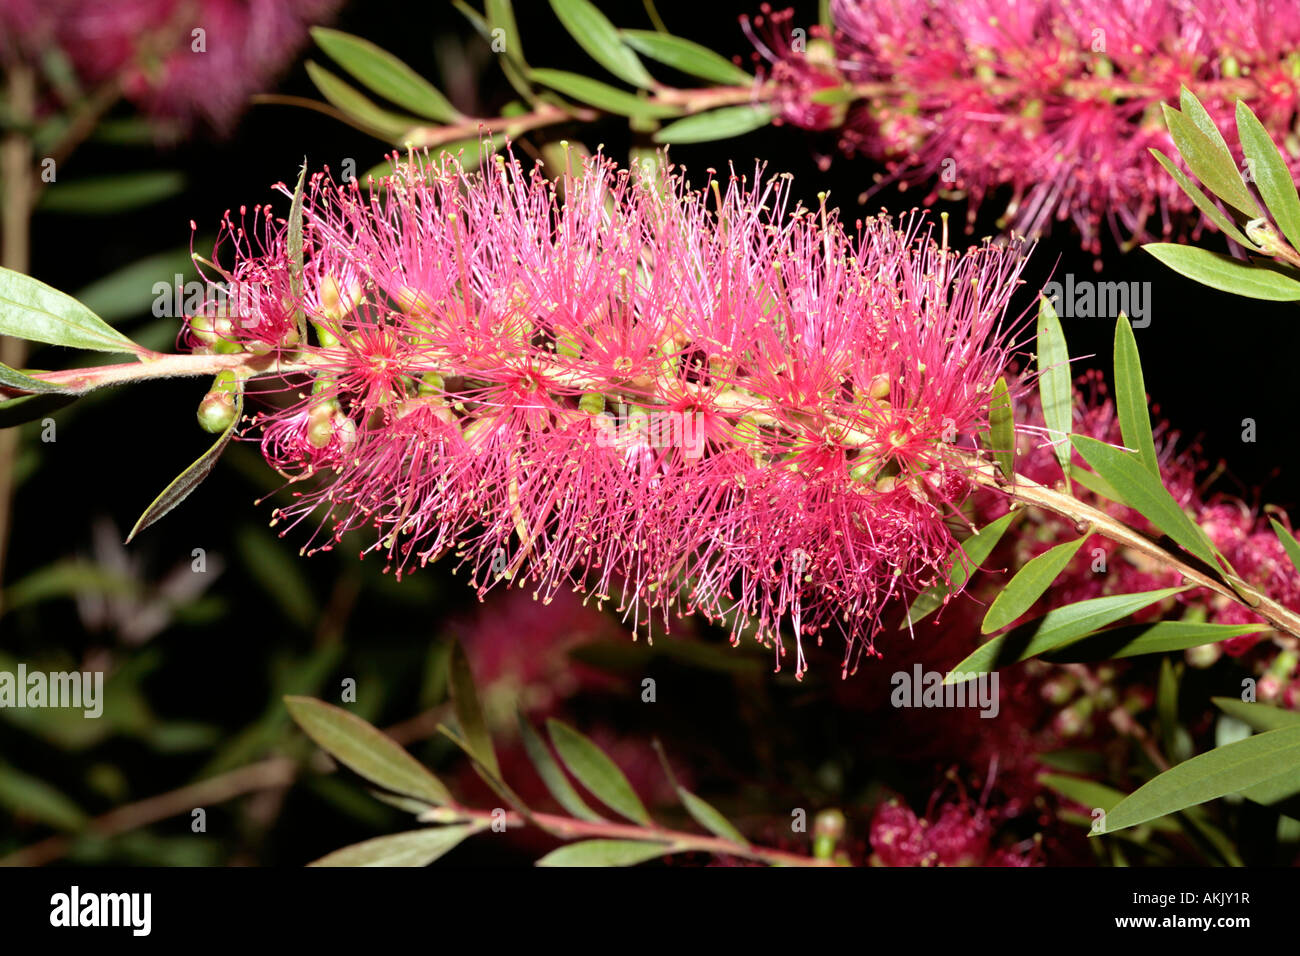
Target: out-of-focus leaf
column 189, row 479
column 129, row 292
column 1261, row 717
column 556, row 782
column 1131, row 397
column 595, row 771
column 1054, row 381
column 964, row 559
column 67, row 579
column 469, row 712
column 687, row 56
column 1255, row 280
column 262, row 556
column 28, row 408
column 1251, row 764
column 704, row 813
column 31, row 797
column 601, row 40
column 1028, row 585
column 29, row 309
column 601, row 95
column 725, row 123
column 413, row 848
column 105, row 195
column 1053, row 629
column 365, row 749
column 386, row 75
column 1094, row 795
column 605, row 853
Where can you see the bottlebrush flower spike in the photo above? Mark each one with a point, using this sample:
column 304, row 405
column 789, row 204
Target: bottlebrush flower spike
column 1059, row 100
column 701, row 401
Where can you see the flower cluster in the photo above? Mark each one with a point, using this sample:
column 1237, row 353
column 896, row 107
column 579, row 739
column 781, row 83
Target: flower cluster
column 1056, row 100
column 175, row 59
column 709, row 401
column 957, row 833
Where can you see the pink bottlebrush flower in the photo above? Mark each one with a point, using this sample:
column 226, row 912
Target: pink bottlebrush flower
column 175, row 59
column 957, row 834
column 710, row 401
column 799, row 68
column 1057, row 101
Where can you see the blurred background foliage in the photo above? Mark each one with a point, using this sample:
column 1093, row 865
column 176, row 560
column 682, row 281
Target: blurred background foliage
column 197, row 662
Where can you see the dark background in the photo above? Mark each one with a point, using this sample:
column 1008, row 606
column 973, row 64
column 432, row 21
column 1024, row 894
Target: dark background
column 1210, row 360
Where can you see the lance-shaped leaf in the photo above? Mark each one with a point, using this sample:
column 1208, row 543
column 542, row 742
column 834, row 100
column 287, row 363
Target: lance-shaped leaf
column 1255, row 764
column 1028, row 585
column 31, row 310
column 28, row 408
column 686, row 55
column 1258, row 716
column 1054, row 381
column 1001, row 438
column 556, row 782
column 1272, row 177
column 359, row 109
column 1056, row 627
column 605, row 853
column 964, row 559
column 1255, row 280
column 707, row 816
column 1289, row 543
column 296, row 254
column 469, row 712
column 189, row 479
column 1145, row 492
column 1131, row 396
column 12, row 378
column 1210, row 162
column 107, row 195
column 1094, row 795
column 595, row 771
column 365, row 749
column 413, row 848
column 601, row 40
column 601, row 95
column 1157, row 637
column 1203, row 202
column 725, row 123
column 386, row 75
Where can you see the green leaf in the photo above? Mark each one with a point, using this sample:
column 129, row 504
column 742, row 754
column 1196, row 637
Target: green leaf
column 725, row 123
column 12, row 378
column 129, row 292
column 703, row 813
column 469, row 712
column 605, row 853
column 1261, row 717
column 1093, row 482
column 1289, row 543
column 29, row 309
column 1203, row 121
column 1001, row 439
column 601, row 95
column 1272, row 178
column 1028, row 585
column 28, row 408
column 189, row 479
column 28, row 796
column 1058, row 626
column 105, row 195
column 1252, row 764
column 556, row 782
column 1146, row 493
column 1155, row 638
column 1094, row 795
column 1203, row 202
column 1255, row 280
column 1131, row 397
column 1210, row 162
column 365, row 749
column 295, row 254
column 501, row 16
column 361, row 111
column 965, row 557
column 1054, row 381
column 413, row 848
column 386, row 75
column 595, row 771
column 687, row 56
column 601, row 40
